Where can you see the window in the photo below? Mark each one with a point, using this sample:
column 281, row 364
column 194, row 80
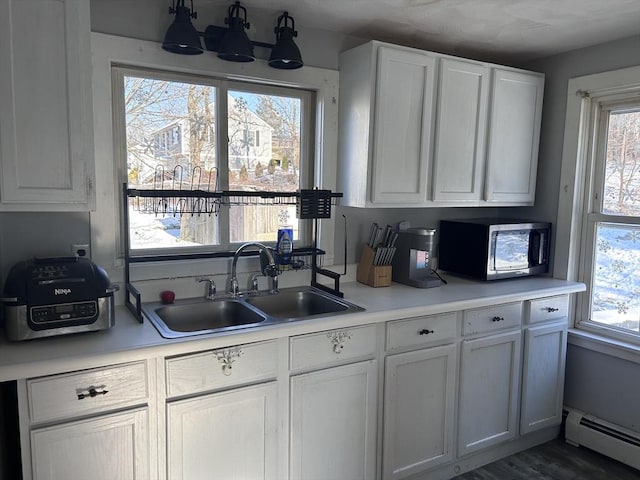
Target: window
column 611, row 219
column 189, row 132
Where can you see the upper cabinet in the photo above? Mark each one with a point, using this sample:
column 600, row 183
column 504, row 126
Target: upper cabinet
column 420, row 129
column 46, row 119
column 513, row 136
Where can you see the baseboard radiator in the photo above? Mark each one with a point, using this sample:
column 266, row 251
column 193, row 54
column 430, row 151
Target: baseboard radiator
column 603, row 437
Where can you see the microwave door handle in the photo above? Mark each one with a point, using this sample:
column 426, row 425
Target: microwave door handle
column 536, row 247
column 543, row 247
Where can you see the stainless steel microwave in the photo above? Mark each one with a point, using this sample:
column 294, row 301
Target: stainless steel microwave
column 494, row 248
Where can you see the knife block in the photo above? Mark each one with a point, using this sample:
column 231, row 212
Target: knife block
column 370, row 274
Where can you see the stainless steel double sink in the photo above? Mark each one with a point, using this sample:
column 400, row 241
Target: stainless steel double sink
column 202, row 316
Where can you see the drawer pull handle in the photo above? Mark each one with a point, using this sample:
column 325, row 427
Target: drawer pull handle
column 227, row 357
column 552, row 309
column 497, row 319
column 425, row 331
column 92, row 393
column 338, row 339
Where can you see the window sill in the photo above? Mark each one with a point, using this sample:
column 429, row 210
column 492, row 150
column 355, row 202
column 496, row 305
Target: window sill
column 605, row 345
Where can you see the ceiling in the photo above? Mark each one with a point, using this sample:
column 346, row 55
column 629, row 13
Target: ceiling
column 514, row 30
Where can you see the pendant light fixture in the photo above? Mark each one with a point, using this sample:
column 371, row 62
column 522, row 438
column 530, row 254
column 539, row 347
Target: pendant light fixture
column 182, row 37
column 231, row 42
column 235, row 46
column 285, row 54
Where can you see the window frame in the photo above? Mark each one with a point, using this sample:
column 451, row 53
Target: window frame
column 580, row 180
column 601, row 109
column 222, row 88
column 105, row 221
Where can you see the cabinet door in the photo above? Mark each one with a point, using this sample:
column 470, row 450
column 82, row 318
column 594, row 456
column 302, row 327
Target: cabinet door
column 230, row 435
column 545, row 349
column 514, row 136
column 46, row 121
column 333, row 423
column 458, row 163
column 402, row 128
column 103, row 448
column 418, row 410
column 489, row 387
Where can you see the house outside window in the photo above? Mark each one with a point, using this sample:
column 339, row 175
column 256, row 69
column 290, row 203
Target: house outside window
column 174, row 125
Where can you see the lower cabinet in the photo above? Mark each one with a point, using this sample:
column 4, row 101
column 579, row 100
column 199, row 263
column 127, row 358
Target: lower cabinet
column 489, row 391
column 229, row 435
column 419, row 400
column 545, row 349
column 333, row 423
column 102, row 448
column 89, row 424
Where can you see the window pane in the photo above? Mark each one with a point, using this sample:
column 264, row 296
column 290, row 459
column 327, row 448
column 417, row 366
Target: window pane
column 264, row 154
column 171, row 144
column 622, row 169
column 616, row 280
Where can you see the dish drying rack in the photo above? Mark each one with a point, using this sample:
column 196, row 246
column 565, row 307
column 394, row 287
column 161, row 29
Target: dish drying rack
column 201, row 196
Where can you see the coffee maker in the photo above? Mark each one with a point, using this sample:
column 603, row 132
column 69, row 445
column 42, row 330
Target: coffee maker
column 412, row 261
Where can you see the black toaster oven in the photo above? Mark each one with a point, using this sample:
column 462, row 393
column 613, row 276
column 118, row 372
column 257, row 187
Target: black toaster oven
column 54, row 296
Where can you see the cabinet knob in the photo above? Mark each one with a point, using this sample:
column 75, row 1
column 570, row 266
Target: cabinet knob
column 425, row 331
column 226, row 358
column 497, row 319
column 552, row 309
column 338, row 340
column 92, row 392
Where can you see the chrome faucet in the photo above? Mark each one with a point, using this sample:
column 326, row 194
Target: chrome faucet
column 267, row 265
column 210, row 287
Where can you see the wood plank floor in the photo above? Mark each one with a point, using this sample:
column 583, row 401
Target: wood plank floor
column 555, row 460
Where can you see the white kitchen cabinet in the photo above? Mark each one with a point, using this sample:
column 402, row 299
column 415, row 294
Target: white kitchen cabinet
column 103, row 448
column 230, row 435
column 513, row 136
column 545, row 349
column 419, row 395
column 46, row 119
column 461, row 122
column 386, row 117
column 421, row 129
column 489, row 390
column 230, row 428
column 89, row 424
column 333, row 407
column 333, row 423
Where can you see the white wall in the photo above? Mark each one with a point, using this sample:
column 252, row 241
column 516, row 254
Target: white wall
column 600, row 384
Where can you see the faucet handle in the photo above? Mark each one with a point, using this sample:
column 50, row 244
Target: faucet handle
column 210, row 287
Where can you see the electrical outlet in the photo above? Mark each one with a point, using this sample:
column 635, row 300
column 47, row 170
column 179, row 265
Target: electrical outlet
column 81, row 250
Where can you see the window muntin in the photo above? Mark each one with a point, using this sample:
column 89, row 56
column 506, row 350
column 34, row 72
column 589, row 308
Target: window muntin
column 611, row 242
column 172, row 126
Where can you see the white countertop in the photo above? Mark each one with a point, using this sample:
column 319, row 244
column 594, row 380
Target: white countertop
column 129, row 340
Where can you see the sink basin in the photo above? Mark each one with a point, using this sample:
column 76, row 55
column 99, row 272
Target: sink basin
column 293, row 304
column 202, row 317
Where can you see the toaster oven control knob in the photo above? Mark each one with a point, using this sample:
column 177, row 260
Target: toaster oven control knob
column 92, row 393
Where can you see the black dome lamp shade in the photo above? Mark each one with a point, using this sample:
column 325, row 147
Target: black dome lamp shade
column 182, row 37
column 285, row 54
column 235, row 46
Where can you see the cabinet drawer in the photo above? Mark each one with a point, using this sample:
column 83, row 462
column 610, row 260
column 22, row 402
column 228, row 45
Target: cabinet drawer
column 88, row 391
column 547, row 309
column 488, row 319
column 421, row 330
column 332, row 346
column 222, row 367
